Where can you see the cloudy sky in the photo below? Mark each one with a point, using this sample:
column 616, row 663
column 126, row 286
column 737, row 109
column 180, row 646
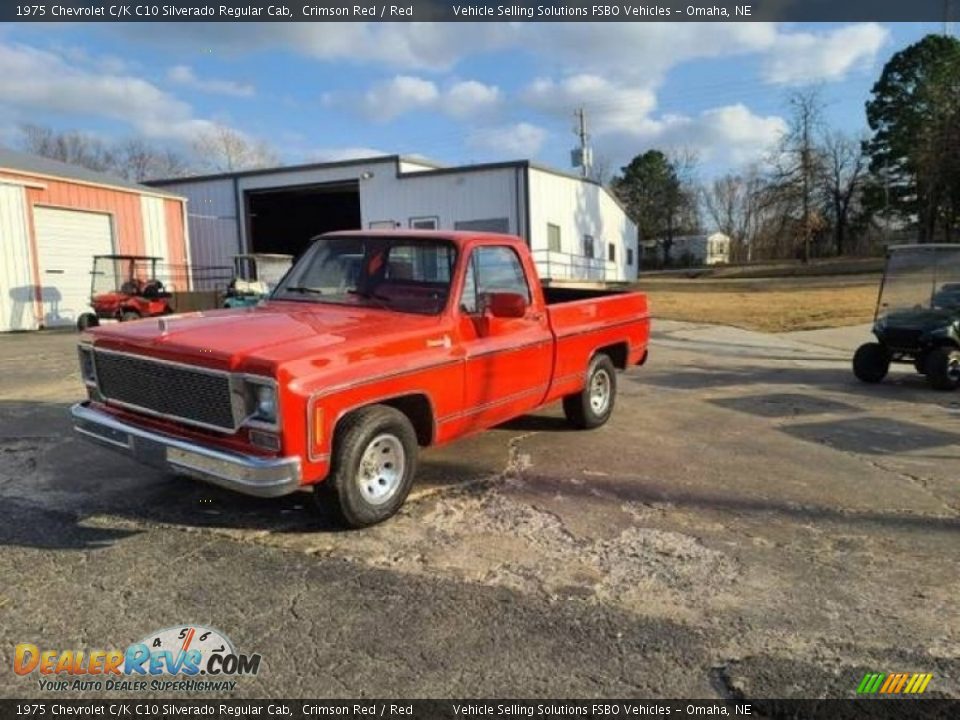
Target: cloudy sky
column 453, row 92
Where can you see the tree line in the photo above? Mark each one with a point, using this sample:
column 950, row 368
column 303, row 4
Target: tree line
column 821, row 192
column 216, row 149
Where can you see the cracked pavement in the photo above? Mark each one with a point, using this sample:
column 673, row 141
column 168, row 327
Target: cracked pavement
column 751, row 523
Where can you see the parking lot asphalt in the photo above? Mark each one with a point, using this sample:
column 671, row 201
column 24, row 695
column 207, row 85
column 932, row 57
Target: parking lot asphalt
column 753, row 522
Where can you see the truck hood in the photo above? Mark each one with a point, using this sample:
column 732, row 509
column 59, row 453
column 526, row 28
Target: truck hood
column 258, row 339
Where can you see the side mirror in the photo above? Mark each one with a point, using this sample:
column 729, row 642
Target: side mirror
column 506, row 305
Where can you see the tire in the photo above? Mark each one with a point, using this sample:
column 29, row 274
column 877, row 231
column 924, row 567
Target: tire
column 365, row 485
column 871, row 363
column 87, row 320
column 943, row 368
column 128, row 315
column 591, row 407
column 920, row 363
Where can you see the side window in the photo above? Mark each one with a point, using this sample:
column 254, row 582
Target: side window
column 492, row 269
column 611, row 252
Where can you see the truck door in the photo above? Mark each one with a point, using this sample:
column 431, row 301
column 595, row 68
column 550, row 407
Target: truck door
column 508, row 361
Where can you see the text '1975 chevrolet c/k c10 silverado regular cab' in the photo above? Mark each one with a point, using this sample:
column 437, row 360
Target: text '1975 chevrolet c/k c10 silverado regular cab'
column 374, row 345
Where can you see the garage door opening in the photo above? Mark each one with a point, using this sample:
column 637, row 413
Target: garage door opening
column 284, row 220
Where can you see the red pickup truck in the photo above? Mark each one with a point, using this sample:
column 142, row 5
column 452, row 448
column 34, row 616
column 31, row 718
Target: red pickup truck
column 373, row 345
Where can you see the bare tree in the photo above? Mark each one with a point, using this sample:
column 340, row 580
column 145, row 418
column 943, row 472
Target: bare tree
column 844, row 176
column 734, row 205
column 223, row 149
column 72, row 146
column 138, row 160
column 798, row 162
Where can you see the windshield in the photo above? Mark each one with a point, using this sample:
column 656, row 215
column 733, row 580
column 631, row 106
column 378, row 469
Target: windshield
column 397, row 273
column 921, row 278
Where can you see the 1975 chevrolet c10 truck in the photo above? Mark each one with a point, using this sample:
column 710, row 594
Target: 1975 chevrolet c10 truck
column 373, row 345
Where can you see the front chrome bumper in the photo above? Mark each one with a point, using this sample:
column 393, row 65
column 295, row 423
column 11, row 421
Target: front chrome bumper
column 248, row 474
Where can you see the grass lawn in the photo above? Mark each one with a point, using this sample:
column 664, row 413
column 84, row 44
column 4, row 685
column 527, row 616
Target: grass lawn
column 767, row 304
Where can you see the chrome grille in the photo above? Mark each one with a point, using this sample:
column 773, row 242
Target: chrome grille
column 176, row 391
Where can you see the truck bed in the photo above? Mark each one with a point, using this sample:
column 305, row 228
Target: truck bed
column 585, row 320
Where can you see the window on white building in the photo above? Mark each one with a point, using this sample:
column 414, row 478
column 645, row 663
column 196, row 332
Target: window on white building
column 553, row 238
column 611, row 252
column 629, row 256
column 588, row 245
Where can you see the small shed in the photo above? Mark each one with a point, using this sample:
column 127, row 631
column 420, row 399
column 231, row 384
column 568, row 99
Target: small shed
column 54, row 217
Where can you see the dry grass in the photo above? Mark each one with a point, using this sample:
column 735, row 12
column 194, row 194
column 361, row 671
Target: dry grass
column 769, row 305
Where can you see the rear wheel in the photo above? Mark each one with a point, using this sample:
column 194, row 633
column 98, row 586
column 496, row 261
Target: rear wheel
column 943, row 368
column 87, row 320
column 374, row 461
column 871, row 362
column 593, row 406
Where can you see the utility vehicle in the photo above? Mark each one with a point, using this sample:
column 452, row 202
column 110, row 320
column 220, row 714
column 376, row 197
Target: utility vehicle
column 917, row 319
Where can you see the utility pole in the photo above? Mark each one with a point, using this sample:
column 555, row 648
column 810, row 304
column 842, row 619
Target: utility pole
column 582, row 156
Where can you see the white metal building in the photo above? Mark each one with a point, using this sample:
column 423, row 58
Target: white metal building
column 575, row 227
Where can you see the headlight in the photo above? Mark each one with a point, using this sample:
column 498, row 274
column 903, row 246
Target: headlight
column 261, row 401
column 266, row 403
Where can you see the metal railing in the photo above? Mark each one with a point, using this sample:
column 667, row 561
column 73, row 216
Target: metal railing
column 555, row 265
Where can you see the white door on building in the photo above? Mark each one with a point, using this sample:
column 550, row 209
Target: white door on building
column 67, row 240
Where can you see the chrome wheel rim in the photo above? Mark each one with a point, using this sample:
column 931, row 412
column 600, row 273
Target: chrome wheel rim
column 600, row 392
column 953, row 368
column 381, row 469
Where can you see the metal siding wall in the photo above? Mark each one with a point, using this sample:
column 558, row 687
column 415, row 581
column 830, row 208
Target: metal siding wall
column 211, row 221
column 579, row 208
column 175, row 238
column 154, row 228
column 17, row 289
column 451, row 197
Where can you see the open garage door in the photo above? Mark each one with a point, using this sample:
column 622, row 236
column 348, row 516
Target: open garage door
column 283, row 220
column 67, row 240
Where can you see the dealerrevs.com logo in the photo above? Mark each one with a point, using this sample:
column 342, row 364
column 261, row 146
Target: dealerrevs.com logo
column 185, row 658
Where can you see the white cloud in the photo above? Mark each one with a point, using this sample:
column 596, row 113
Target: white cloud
column 404, row 93
column 801, row 58
column 509, row 141
column 57, row 86
column 401, row 94
column 729, row 134
column 610, row 107
column 418, row 46
column 470, row 98
column 343, row 153
column 184, row 75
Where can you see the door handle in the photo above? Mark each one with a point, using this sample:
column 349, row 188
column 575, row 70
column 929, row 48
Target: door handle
column 536, row 317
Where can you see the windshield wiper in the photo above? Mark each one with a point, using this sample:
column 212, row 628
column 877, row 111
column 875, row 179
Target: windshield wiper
column 380, row 300
column 304, row 290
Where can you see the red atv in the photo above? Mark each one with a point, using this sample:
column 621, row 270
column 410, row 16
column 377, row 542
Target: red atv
column 125, row 287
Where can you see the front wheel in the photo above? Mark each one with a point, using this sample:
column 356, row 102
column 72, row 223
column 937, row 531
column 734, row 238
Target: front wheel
column 374, row 461
column 871, row 362
column 87, row 320
column 943, row 368
column 592, row 406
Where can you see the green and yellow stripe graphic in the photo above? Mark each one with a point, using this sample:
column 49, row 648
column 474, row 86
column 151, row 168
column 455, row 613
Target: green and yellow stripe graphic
column 894, row 683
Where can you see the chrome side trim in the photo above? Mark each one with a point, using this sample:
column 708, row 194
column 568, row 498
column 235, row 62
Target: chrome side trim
column 248, row 474
column 538, row 390
column 609, row 326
